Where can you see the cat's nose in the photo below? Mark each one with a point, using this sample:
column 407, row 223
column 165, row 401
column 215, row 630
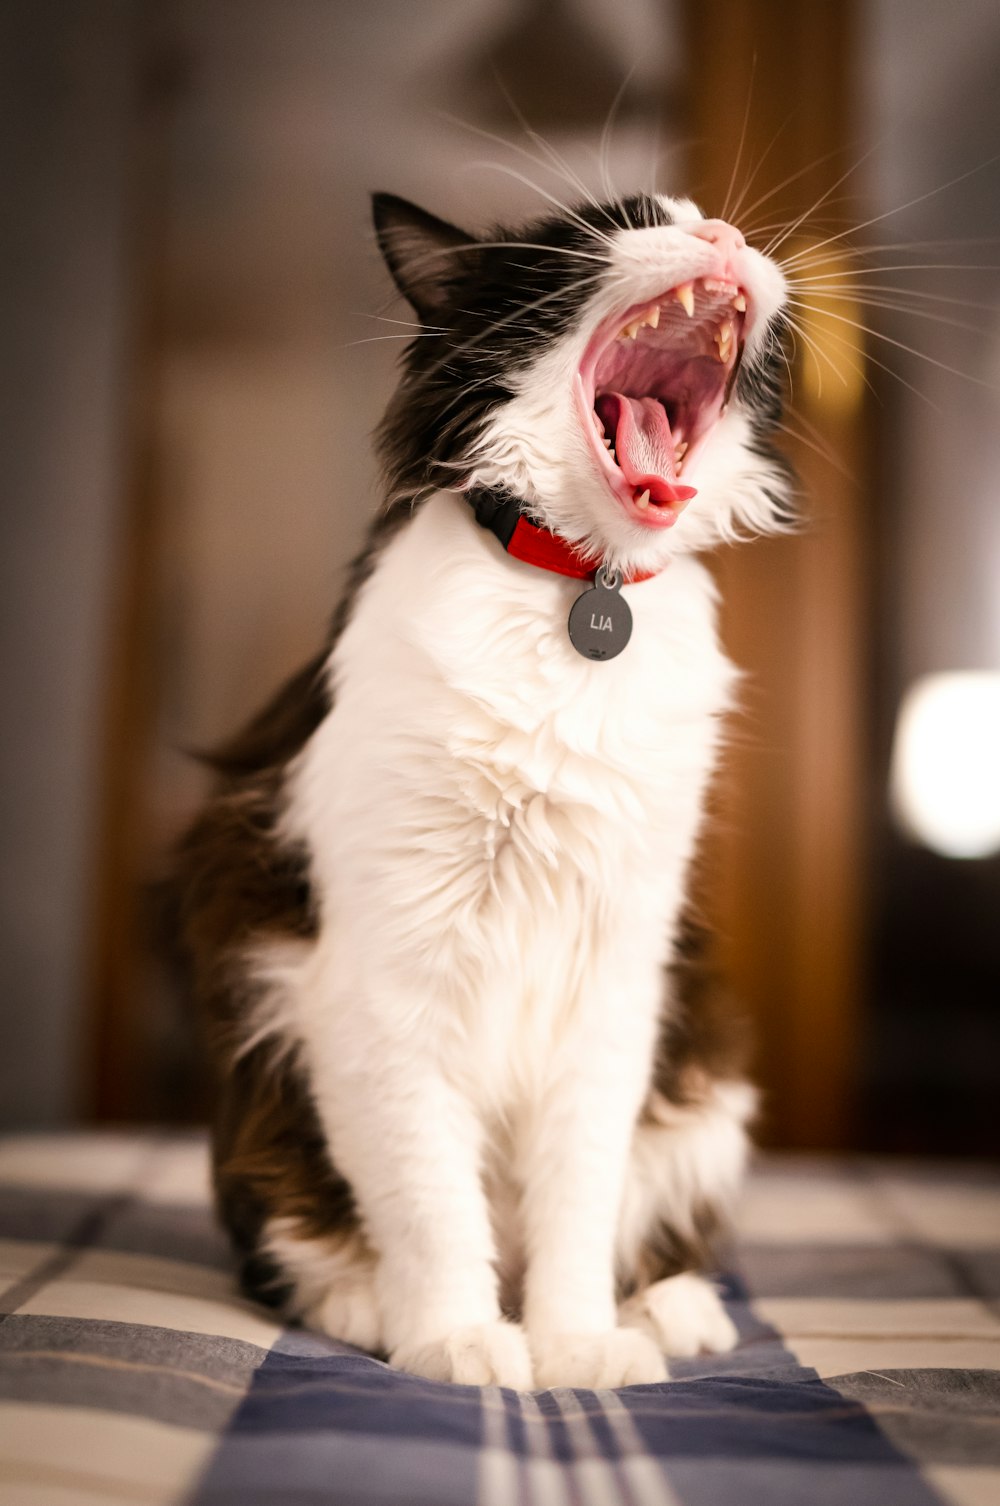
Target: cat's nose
column 725, row 237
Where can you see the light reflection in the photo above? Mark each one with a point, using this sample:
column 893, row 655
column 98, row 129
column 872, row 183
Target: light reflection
column 945, row 776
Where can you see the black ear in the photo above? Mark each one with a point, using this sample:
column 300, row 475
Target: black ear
column 420, row 250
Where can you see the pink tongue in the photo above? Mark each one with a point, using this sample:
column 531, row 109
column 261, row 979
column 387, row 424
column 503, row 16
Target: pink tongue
column 644, row 446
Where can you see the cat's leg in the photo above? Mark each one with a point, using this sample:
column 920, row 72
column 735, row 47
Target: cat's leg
column 684, row 1173
column 409, row 1144
column 574, row 1167
column 332, row 1280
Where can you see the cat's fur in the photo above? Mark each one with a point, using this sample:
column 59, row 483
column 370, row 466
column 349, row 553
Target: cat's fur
column 466, row 1113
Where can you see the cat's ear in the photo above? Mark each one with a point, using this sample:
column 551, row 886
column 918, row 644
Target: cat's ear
column 420, row 250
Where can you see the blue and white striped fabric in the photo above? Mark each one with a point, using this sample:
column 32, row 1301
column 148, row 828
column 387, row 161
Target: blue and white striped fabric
column 867, row 1296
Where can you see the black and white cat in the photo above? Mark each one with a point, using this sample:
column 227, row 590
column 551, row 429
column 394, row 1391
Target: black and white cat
column 465, row 1116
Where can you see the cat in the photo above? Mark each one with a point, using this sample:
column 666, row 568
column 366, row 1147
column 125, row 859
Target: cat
column 466, row 1115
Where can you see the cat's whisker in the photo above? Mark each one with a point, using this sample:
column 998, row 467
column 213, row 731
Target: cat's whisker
column 873, row 360
column 899, row 208
column 818, row 354
column 514, row 315
column 777, row 347
column 881, row 269
column 604, row 148
column 559, row 164
column 430, row 329
column 738, row 206
column 899, row 344
column 786, row 182
column 824, row 198
column 811, row 258
column 419, row 334
column 556, row 163
column 472, row 245
column 571, row 214
column 818, row 448
column 569, row 251
column 881, row 301
column 724, row 212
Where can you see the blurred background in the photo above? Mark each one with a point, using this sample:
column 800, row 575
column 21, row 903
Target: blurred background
column 198, row 342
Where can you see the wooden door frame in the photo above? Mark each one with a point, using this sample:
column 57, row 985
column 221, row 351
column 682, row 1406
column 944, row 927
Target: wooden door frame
column 786, row 862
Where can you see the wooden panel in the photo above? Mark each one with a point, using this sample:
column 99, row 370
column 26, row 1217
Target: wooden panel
column 785, row 862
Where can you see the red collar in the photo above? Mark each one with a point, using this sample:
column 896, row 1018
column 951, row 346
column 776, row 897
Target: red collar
column 501, row 514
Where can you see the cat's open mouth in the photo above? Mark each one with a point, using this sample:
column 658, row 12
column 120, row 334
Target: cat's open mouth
column 653, row 383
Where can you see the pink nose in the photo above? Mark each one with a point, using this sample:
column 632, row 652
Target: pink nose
column 726, row 238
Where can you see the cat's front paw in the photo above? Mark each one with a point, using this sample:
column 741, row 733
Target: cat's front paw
column 683, row 1314
column 598, row 1361
column 489, row 1354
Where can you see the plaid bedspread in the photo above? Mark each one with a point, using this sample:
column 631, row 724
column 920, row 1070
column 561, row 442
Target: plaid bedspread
column 866, row 1295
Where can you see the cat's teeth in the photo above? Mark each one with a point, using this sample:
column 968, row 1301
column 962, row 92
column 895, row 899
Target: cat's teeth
column 607, row 443
column 717, row 285
column 724, row 341
column 642, row 500
column 680, row 451
column 651, row 317
column 684, row 293
column 740, row 303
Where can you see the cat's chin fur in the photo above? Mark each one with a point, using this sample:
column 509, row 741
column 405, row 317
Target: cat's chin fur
column 470, row 1113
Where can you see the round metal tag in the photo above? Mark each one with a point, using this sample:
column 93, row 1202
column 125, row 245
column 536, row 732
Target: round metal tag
column 600, row 623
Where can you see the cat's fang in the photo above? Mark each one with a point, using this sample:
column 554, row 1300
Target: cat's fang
column 684, row 293
column 724, row 341
column 642, row 499
column 651, row 316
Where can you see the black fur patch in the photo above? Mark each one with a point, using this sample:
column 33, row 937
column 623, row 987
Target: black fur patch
column 504, row 304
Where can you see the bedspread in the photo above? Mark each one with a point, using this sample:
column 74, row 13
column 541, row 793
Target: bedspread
column 865, row 1292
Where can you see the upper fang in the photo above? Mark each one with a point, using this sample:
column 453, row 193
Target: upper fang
column 684, row 293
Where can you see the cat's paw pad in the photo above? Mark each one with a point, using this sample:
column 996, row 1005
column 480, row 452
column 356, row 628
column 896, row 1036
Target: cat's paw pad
column 683, row 1314
column 598, row 1361
column 490, row 1354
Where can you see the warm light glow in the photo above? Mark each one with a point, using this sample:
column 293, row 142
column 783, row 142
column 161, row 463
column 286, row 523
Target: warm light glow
column 945, row 779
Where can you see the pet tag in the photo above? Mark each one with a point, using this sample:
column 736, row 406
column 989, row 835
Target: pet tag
column 600, row 623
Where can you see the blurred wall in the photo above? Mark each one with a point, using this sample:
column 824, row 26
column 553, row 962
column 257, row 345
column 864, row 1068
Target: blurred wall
column 66, row 95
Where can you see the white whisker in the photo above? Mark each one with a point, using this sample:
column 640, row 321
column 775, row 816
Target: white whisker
column 723, row 213
column 920, row 199
column 571, row 214
column 900, row 345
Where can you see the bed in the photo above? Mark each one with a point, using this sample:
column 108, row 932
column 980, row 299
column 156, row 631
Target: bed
column 866, row 1293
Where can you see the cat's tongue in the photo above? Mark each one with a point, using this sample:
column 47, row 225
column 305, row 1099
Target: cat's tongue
column 644, row 445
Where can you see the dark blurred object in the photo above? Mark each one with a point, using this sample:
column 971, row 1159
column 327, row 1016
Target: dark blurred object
column 67, row 97
column 550, row 63
column 931, row 1049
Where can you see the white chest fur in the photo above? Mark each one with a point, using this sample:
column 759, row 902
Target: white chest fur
column 489, row 816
